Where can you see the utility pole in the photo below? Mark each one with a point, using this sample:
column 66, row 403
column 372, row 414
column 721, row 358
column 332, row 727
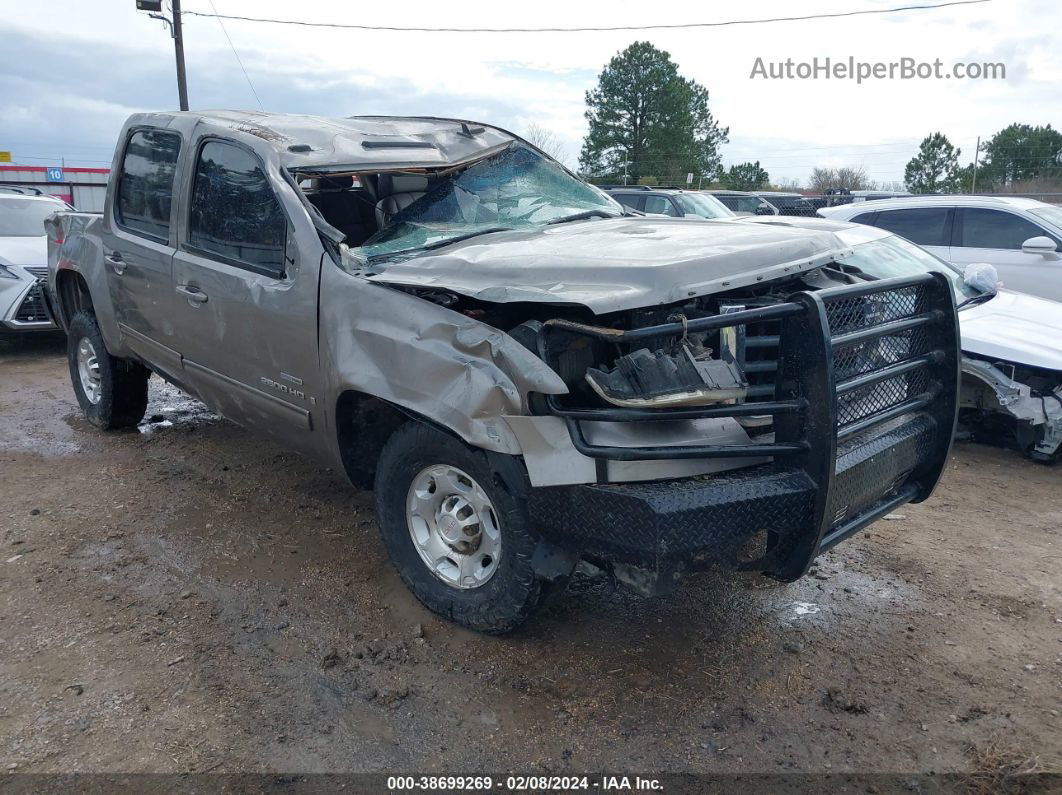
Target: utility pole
column 178, row 46
column 624, row 166
column 154, row 9
column 977, row 151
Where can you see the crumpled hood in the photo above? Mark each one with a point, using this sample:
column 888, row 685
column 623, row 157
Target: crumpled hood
column 1015, row 327
column 615, row 264
column 32, row 251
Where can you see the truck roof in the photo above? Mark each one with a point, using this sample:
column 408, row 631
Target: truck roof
column 323, row 143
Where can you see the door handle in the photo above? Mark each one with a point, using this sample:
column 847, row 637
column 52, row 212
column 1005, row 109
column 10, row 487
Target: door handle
column 192, row 293
column 116, row 262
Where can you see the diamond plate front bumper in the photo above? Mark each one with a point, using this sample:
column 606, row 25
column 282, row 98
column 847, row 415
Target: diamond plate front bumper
column 668, row 527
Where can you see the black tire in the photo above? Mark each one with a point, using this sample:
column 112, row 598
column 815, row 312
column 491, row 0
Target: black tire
column 514, row 591
column 123, row 384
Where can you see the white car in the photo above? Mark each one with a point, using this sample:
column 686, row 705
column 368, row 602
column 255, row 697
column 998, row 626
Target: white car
column 1020, row 237
column 24, row 259
column 1012, row 358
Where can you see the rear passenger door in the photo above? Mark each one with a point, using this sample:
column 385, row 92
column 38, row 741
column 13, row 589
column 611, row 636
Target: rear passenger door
column 996, row 236
column 928, row 227
column 245, row 296
column 138, row 241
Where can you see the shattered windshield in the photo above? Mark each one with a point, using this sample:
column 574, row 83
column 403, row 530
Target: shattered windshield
column 514, row 189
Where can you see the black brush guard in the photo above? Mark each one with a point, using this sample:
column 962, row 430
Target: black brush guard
column 863, row 410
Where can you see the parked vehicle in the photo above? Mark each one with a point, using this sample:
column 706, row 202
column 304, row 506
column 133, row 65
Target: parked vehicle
column 788, row 203
column 1012, row 360
column 527, row 376
column 743, row 203
column 24, row 258
column 837, row 196
column 672, row 202
column 1021, row 237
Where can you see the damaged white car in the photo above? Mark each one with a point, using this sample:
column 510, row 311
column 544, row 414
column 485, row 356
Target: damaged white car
column 526, row 375
column 1012, row 354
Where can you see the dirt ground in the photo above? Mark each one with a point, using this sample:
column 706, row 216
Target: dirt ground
column 191, row 598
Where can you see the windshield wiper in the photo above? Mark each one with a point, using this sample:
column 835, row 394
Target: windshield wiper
column 440, row 243
column 975, row 299
column 466, row 236
column 582, row 216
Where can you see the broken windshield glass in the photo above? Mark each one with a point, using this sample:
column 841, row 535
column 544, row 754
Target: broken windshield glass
column 514, row 189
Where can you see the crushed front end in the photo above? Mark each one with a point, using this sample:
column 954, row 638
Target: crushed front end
column 847, row 396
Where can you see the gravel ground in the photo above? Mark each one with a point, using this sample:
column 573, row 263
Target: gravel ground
column 191, row 598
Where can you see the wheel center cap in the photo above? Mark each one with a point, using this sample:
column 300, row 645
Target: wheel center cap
column 450, row 529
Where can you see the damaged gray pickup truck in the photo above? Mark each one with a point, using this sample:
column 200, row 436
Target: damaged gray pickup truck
column 526, row 375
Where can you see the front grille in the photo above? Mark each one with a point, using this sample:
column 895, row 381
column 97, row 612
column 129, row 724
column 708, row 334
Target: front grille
column 33, row 308
column 40, row 271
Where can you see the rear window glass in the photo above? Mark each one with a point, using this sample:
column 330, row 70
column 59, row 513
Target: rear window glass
column 25, row 217
column 145, row 187
column 922, row 225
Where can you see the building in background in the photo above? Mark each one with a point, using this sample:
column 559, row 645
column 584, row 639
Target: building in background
column 84, row 188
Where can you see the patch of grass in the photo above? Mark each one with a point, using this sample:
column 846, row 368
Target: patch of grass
column 1003, row 766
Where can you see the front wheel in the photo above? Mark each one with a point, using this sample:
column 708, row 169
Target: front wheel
column 112, row 392
column 457, row 530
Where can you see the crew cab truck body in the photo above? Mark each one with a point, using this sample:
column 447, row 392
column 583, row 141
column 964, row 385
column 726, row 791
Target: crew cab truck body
column 527, row 376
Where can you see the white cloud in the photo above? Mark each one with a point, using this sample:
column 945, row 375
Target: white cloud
column 514, row 79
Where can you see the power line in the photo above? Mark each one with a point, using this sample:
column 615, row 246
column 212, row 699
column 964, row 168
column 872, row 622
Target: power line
column 608, row 29
column 240, row 62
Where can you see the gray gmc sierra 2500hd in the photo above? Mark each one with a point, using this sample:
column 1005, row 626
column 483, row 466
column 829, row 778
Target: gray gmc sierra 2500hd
column 527, row 374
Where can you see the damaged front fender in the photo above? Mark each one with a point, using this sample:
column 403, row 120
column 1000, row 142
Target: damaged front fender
column 1043, row 413
column 439, row 364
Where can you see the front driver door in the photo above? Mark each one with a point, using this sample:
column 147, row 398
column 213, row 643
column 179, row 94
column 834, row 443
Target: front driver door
column 996, row 236
column 245, row 300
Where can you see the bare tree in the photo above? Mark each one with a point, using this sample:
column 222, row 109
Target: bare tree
column 847, row 177
column 821, row 179
column 547, row 141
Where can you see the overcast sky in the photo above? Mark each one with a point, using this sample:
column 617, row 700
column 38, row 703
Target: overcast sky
column 71, row 71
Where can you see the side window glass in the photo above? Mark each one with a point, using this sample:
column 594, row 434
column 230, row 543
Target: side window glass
column 630, row 201
column 234, row 212
column 922, row 225
column 145, row 183
column 660, row 205
column 994, row 229
column 862, row 218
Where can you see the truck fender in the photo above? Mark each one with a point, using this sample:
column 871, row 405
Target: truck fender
column 451, row 369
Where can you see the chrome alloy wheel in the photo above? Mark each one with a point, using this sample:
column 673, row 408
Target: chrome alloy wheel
column 453, row 526
column 88, row 370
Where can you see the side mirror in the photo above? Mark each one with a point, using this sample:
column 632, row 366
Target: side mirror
column 1042, row 245
column 982, row 276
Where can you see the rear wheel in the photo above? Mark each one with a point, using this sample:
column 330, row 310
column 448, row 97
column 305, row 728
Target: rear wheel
column 457, row 530
column 112, row 392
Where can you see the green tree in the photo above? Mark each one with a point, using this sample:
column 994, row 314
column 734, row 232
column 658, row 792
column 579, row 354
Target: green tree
column 1018, row 153
column 645, row 114
column 745, row 176
column 935, row 169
